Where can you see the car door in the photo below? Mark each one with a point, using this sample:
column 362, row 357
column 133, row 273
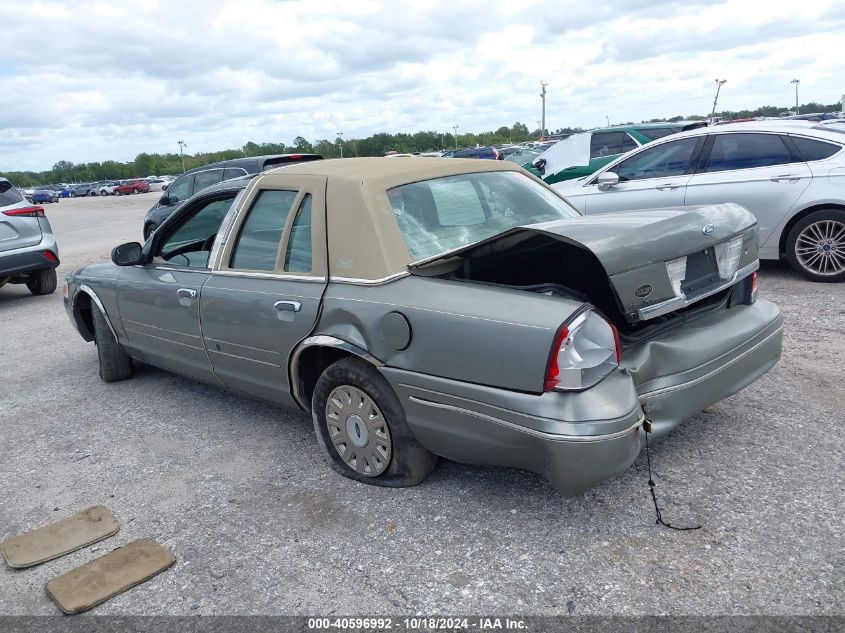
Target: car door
column 159, row 302
column 264, row 293
column 653, row 177
column 758, row 170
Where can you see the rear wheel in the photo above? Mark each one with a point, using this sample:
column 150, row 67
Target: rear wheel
column 115, row 364
column 815, row 247
column 42, row 282
column 72, row 195
column 361, row 428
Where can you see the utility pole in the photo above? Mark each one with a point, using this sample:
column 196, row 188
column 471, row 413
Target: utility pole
column 455, row 127
column 719, row 84
column 543, row 117
column 340, row 136
column 182, row 146
column 796, row 82
column 608, row 120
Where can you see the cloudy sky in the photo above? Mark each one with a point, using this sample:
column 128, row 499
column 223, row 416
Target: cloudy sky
column 85, row 81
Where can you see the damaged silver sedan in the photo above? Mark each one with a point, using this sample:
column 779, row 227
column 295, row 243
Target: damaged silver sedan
column 431, row 308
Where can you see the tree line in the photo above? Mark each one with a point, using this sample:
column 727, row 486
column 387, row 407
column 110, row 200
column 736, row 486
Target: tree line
column 378, row 144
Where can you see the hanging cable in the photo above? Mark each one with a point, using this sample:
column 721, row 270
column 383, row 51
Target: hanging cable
column 659, row 520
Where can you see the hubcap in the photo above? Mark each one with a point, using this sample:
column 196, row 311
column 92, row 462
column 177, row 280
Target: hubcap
column 358, row 431
column 820, row 247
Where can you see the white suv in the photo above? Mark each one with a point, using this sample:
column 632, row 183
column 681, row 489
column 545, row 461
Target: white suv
column 790, row 175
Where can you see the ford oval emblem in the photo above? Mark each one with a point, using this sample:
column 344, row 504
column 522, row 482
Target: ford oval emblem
column 643, row 291
column 708, row 229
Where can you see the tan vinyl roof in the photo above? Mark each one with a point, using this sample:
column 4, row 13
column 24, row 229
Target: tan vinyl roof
column 365, row 243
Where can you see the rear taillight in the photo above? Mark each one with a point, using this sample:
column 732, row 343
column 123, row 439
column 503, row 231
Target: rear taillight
column 26, row 212
column 753, row 286
column 585, row 350
column 50, row 255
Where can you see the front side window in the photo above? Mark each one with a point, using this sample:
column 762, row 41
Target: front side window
column 257, row 246
column 663, row 161
column 204, row 179
column 443, row 214
column 181, row 189
column 190, row 244
column 746, row 151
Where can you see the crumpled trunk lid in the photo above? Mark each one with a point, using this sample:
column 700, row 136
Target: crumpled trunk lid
column 633, row 249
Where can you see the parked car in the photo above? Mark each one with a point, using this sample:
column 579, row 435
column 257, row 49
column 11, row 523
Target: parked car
column 200, row 178
column 428, row 307
column 158, row 184
column 28, row 251
column 131, row 186
column 79, row 189
column 580, row 155
column 40, row 196
column 104, row 188
column 490, row 153
column 789, row 174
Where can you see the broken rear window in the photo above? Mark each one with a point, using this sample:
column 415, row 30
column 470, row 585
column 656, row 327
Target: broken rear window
column 443, row 214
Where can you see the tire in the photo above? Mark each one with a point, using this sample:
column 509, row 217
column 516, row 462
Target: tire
column 407, row 462
column 42, row 282
column 815, row 247
column 72, row 195
column 115, row 364
column 148, row 230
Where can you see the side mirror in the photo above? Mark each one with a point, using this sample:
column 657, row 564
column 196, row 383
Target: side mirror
column 539, row 164
column 127, row 254
column 165, row 201
column 607, row 179
column 165, row 186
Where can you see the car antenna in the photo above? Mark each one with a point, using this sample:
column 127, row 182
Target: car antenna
column 647, row 428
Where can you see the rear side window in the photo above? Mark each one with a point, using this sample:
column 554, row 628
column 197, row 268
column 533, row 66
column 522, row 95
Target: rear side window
column 298, row 252
column 655, row 133
column 746, row 151
column 205, row 179
column 812, row 149
column 8, row 194
column 258, row 242
column 233, row 172
column 610, row 144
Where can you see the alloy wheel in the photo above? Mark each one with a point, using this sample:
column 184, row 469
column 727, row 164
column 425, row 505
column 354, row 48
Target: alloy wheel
column 820, row 247
column 358, row 430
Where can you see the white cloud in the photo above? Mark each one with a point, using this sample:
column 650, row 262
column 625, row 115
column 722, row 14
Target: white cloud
column 105, row 80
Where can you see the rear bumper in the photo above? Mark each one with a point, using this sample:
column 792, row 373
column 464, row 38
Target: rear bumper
column 29, row 259
column 575, row 440
column 689, row 369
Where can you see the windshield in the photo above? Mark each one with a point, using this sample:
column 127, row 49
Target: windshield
column 443, row 214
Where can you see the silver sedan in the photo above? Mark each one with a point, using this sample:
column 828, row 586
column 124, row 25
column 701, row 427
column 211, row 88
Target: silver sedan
column 789, row 174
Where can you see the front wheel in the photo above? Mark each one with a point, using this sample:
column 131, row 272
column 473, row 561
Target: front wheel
column 42, row 282
column 149, row 229
column 815, row 247
column 362, row 430
column 115, row 364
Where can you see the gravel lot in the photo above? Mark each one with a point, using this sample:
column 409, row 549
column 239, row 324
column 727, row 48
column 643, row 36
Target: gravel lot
column 239, row 490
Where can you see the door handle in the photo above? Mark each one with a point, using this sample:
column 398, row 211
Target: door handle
column 186, row 296
column 288, row 306
column 668, row 186
column 789, row 177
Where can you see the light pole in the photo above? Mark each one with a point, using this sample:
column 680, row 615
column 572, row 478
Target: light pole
column 340, row 136
column 182, row 146
column 796, row 82
column 455, row 127
column 543, row 116
column 719, row 84
column 608, row 120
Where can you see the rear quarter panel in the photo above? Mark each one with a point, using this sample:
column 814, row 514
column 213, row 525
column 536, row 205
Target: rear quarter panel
column 470, row 332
